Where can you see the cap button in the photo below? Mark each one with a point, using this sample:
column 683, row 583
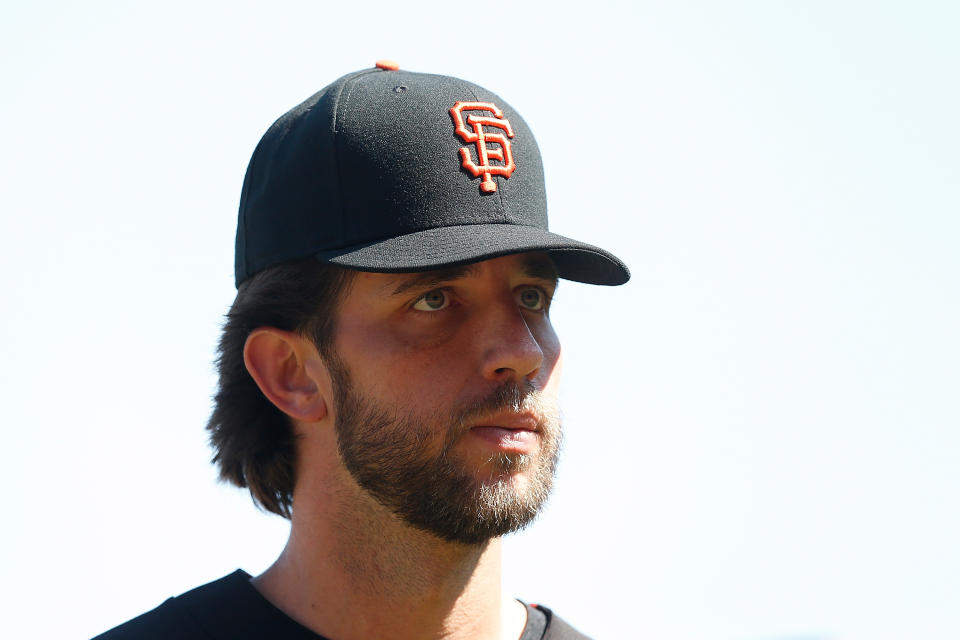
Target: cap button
column 387, row 65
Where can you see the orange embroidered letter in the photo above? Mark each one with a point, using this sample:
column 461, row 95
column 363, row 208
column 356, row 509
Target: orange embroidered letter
column 481, row 138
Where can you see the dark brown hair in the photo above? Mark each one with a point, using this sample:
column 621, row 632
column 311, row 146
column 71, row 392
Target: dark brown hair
column 253, row 441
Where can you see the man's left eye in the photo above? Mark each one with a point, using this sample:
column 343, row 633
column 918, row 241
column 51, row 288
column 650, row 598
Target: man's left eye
column 532, row 299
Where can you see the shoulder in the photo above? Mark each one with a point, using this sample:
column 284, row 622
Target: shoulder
column 557, row 628
column 183, row 617
column 169, row 620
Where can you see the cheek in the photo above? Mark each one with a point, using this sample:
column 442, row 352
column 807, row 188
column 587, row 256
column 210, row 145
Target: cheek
column 395, row 366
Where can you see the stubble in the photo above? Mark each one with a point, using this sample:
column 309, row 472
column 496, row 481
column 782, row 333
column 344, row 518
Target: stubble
column 408, row 463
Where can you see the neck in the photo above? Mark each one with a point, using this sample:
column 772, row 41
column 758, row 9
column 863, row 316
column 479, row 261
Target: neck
column 351, row 569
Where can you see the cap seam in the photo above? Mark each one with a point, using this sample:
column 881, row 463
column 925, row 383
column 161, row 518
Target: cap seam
column 503, row 206
column 280, row 254
column 336, row 139
column 446, row 226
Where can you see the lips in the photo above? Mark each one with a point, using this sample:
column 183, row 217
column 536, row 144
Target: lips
column 510, row 421
column 509, row 431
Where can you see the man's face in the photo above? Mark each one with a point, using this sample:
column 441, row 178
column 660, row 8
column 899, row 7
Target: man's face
column 445, row 394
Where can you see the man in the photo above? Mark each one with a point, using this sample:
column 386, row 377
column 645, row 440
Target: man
column 388, row 371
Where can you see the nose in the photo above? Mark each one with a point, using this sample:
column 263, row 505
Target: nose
column 510, row 349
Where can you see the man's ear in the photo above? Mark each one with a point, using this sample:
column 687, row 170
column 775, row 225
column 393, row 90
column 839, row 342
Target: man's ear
column 278, row 362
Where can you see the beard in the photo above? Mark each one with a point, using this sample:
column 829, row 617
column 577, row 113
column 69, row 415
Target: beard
column 395, row 457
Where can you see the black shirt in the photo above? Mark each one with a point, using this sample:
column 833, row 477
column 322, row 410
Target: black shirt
column 232, row 609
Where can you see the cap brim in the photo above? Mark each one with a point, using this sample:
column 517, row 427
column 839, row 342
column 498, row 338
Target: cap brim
column 450, row 246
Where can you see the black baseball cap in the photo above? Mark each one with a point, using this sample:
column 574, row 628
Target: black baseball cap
column 387, row 170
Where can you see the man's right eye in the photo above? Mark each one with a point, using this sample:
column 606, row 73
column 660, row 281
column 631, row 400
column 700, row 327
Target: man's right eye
column 432, row 301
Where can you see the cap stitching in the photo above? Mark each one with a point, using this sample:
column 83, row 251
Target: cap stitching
column 336, row 139
column 503, row 207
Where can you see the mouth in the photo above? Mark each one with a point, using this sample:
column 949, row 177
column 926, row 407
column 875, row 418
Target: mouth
column 510, row 421
column 513, row 431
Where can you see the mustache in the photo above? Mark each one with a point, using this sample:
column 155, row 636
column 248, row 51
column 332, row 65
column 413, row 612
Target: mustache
column 510, row 396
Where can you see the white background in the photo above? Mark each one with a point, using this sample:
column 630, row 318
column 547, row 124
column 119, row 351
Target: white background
column 762, row 424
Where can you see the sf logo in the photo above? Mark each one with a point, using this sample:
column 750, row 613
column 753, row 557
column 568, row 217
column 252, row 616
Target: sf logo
column 472, row 131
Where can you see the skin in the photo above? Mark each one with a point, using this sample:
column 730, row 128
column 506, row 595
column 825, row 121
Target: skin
column 351, row 568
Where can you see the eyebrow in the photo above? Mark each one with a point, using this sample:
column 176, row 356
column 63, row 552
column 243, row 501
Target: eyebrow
column 540, row 267
column 430, row 279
